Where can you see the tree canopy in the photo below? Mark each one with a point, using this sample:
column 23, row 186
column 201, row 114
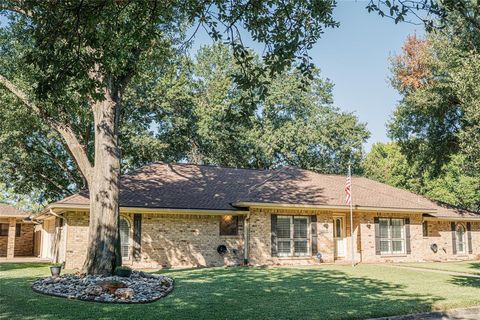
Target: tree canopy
column 69, row 64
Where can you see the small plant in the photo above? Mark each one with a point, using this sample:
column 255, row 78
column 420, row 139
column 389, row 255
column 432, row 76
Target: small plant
column 123, row 271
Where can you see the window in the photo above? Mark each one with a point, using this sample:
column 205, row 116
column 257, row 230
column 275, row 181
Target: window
column 460, row 237
column 293, row 236
column 425, row 228
column 392, row 236
column 4, row 229
column 125, row 238
column 229, row 225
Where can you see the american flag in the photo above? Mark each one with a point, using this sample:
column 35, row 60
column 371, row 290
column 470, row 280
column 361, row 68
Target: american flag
column 348, row 190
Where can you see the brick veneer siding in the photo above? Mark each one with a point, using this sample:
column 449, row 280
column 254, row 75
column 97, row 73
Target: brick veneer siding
column 167, row 240
column 191, row 240
column 77, row 238
column 23, row 245
column 187, row 240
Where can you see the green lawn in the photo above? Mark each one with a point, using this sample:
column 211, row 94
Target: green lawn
column 327, row 292
column 471, row 267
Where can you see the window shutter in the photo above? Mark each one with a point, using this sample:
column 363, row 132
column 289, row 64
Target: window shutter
column 469, row 237
column 376, row 220
column 408, row 246
column 137, row 236
column 313, row 221
column 274, row 234
column 454, row 240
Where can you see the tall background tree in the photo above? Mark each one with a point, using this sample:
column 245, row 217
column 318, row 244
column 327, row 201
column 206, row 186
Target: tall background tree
column 77, row 59
column 436, row 124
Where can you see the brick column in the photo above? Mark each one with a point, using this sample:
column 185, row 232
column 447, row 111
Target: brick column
column 11, row 238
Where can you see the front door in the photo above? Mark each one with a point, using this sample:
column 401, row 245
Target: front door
column 339, row 236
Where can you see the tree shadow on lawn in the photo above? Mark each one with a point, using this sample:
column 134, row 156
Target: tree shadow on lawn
column 476, row 266
column 233, row 293
column 466, row 281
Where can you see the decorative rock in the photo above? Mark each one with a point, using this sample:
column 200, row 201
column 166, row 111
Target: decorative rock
column 140, row 287
column 94, row 290
column 124, row 293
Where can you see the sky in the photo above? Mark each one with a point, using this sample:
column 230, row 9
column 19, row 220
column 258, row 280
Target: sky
column 355, row 58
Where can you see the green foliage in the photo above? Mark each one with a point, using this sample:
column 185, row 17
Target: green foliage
column 67, row 58
column 386, row 163
column 205, row 117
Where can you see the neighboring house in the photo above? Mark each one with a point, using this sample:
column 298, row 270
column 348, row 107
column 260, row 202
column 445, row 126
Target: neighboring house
column 16, row 233
column 179, row 215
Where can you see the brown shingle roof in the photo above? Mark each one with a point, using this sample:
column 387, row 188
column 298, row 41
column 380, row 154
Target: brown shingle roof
column 188, row 186
column 8, row 211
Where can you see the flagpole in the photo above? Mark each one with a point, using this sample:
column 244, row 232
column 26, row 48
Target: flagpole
column 351, row 214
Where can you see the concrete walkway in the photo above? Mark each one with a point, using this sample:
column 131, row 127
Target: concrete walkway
column 453, row 314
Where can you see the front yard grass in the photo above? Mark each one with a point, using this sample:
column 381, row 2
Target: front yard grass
column 471, row 267
column 326, row 292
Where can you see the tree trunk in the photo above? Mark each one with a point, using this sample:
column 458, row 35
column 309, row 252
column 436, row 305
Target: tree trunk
column 103, row 252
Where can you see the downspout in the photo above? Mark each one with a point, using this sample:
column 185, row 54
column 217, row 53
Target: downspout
column 65, row 228
column 246, row 236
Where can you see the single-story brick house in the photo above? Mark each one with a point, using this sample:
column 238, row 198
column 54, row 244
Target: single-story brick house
column 181, row 215
column 16, row 233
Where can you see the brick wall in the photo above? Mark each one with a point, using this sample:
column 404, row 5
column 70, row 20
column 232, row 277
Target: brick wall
column 23, row 244
column 192, row 240
column 187, row 240
column 167, row 240
column 77, row 238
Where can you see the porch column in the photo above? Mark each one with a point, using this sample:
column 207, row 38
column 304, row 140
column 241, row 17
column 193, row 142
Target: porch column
column 11, row 238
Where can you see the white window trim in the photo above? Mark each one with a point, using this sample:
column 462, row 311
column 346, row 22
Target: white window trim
column 292, row 238
column 390, row 239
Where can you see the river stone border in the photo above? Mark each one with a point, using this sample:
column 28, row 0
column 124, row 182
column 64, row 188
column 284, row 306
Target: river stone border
column 140, row 287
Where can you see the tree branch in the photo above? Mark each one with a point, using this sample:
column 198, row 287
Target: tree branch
column 76, row 149
column 16, row 6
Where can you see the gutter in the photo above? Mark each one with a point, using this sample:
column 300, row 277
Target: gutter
column 246, row 238
column 246, row 204
column 449, row 218
column 209, row 212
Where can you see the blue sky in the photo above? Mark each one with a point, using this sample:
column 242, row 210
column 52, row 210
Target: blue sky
column 355, row 58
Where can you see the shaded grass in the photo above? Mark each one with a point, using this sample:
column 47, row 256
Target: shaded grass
column 471, row 267
column 328, row 292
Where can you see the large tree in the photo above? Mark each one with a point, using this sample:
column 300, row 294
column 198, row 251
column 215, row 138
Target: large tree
column 80, row 57
column 293, row 124
column 438, row 116
column 386, row 163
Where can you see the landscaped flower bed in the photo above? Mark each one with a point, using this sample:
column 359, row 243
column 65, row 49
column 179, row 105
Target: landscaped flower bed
column 140, row 287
